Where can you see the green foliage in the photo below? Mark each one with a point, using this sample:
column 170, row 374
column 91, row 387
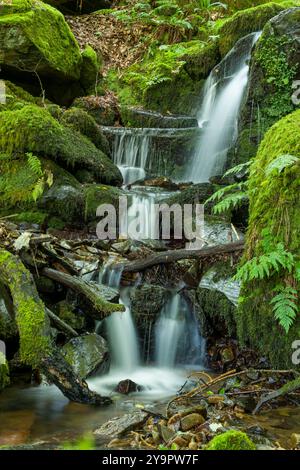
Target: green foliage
column 281, row 163
column 4, row 372
column 285, row 306
column 231, row 440
column 86, row 442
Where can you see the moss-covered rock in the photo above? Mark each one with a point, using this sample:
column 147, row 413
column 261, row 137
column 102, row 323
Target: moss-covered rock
column 95, row 195
column 245, row 22
column 81, row 121
column 15, row 97
column 87, row 354
column 90, row 70
column 274, row 218
column 34, row 38
column 104, row 112
column 33, row 324
column 275, row 65
column 33, row 129
column 179, row 68
column 231, row 440
column 66, row 311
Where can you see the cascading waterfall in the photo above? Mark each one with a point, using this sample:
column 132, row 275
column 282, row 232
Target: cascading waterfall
column 120, row 327
column 177, row 337
column 130, row 154
column 218, row 116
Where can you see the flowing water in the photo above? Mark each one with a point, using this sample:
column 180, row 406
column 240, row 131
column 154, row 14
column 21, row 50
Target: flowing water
column 222, row 97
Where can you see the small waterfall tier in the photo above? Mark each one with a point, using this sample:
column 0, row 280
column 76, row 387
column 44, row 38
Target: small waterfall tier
column 218, row 116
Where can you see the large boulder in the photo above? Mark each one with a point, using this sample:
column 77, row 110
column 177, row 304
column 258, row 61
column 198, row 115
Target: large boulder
column 275, row 66
column 35, row 39
column 87, row 354
column 274, row 219
column 33, row 129
column 245, row 22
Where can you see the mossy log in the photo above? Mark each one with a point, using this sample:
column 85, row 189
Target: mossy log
column 98, row 307
column 36, row 348
column 172, row 256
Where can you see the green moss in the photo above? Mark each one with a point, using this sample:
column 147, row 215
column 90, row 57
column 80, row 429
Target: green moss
column 33, row 129
column 81, row 121
column 4, row 372
column 180, row 67
column 46, row 34
column 30, row 311
column 67, row 314
column 231, row 440
column 245, row 22
column 274, row 210
column 95, row 195
column 90, row 70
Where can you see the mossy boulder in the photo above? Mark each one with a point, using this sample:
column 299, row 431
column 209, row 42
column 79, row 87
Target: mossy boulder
column 245, row 22
column 95, row 195
column 87, row 354
column 231, row 440
column 104, row 111
column 15, row 97
column 275, row 66
column 274, row 218
column 141, row 118
column 169, row 81
column 33, row 129
column 90, row 70
column 4, row 372
column 35, row 38
column 82, row 122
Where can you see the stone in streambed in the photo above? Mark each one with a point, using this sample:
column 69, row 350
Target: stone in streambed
column 127, row 386
column 191, row 421
column 87, row 354
column 121, row 425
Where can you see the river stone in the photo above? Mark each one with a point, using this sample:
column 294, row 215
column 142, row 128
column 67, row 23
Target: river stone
column 191, row 421
column 87, row 354
column 121, row 425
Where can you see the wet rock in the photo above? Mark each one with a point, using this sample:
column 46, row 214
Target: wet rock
column 121, row 425
column 161, row 182
column 179, row 441
column 136, row 117
column 166, row 433
column 127, row 386
column 87, row 354
column 191, row 421
column 227, row 355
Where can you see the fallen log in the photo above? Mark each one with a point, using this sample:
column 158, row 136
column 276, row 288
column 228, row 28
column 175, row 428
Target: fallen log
column 172, row 256
column 289, row 387
column 98, row 307
column 61, row 325
column 36, row 348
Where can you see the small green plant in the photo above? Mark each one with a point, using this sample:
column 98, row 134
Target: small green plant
column 285, row 305
column 86, row 442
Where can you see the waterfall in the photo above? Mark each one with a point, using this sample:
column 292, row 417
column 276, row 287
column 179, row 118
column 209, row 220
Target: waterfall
column 218, row 116
column 131, row 154
column 120, row 327
column 177, row 337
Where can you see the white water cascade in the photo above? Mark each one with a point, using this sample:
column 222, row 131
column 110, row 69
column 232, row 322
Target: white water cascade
column 218, row 116
column 120, row 327
column 177, row 339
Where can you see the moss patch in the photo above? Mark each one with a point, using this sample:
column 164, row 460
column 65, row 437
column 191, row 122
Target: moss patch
column 231, row 440
column 275, row 214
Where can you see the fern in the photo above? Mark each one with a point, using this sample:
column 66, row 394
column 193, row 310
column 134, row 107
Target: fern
column 218, row 195
column 285, row 306
column 238, row 169
column 34, row 164
column 281, row 163
column 264, row 266
column 232, row 201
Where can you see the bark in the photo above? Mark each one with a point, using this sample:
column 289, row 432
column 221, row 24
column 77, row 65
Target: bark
column 98, row 307
column 61, row 325
column 172, row 256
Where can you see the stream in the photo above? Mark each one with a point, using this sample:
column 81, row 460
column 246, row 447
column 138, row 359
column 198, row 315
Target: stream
column 42, row 414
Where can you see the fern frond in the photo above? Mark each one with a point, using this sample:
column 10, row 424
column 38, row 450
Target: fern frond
column 285, row 306
column 230, row 202
column 34, row 164
column 238, row 169
column 281, row 163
